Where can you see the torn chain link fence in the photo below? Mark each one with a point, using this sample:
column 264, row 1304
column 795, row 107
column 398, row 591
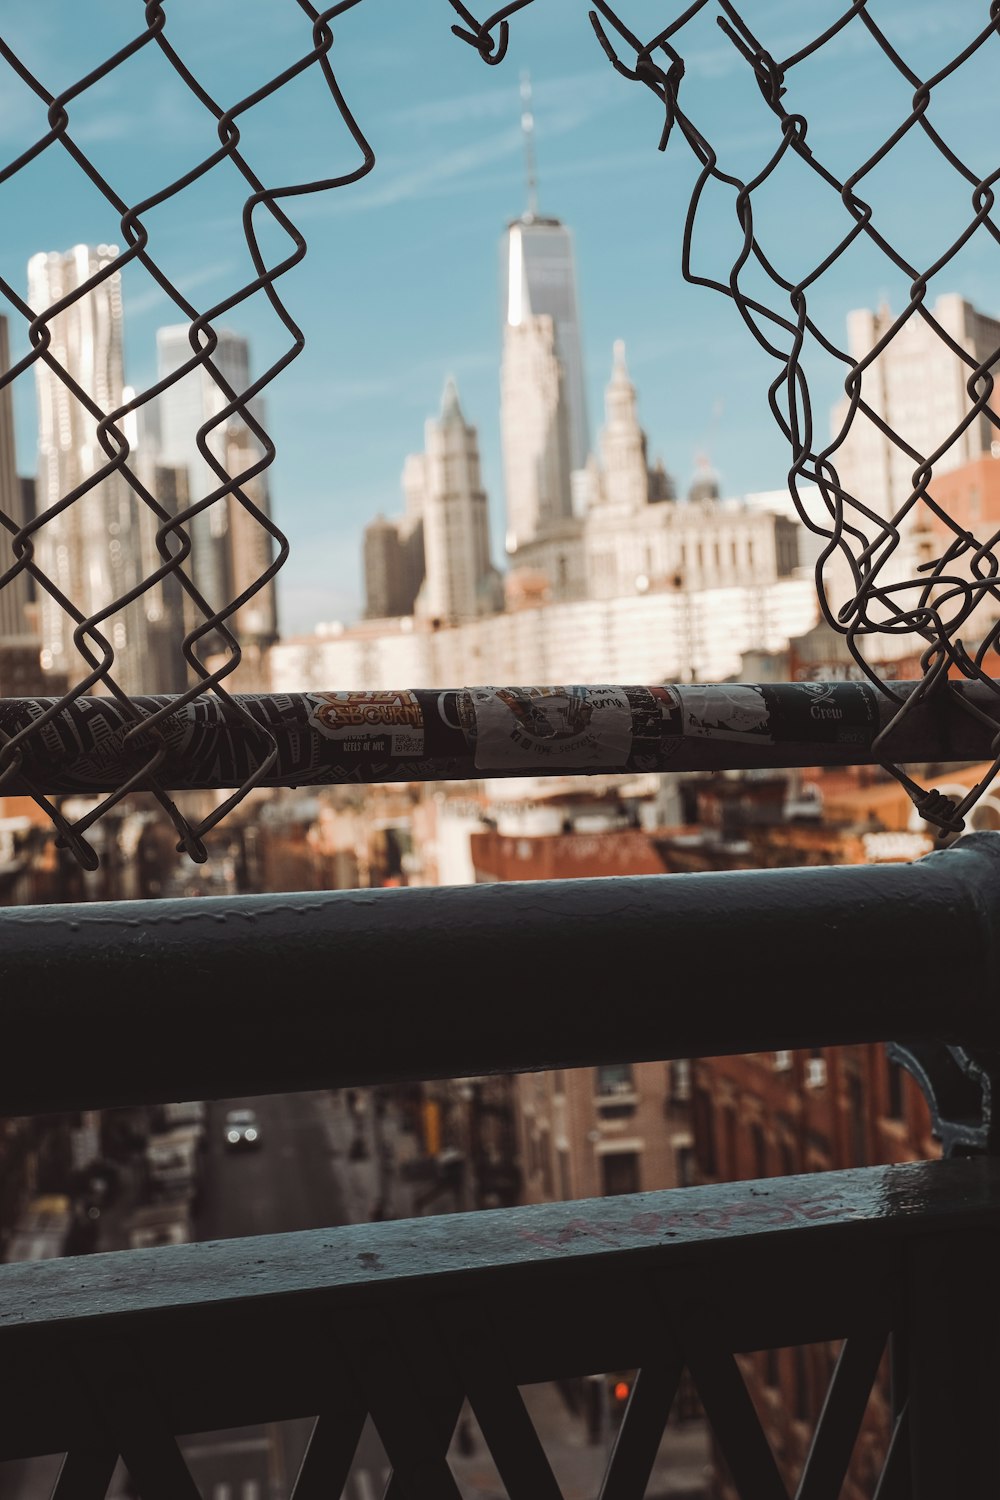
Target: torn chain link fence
column 892, row 571
column 947, row 602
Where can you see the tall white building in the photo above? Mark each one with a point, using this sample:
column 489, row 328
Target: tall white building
column 917, row 386
column 534, row 436
column 91, row 550
column 444, row 485
column 543, row 405
column 220, row 556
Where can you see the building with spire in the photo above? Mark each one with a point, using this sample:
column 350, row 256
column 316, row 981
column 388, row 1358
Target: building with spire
column 543, row 408
column 434, row 562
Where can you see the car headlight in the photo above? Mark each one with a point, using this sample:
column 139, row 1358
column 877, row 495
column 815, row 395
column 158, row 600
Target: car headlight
column 232, row 1136
column 251, row 1134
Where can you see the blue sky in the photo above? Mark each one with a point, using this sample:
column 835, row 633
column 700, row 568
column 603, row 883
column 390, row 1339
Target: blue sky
column 399, row 288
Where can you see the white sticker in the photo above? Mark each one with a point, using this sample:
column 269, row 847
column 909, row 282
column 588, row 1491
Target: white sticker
column 566, row 727
column 732, row 712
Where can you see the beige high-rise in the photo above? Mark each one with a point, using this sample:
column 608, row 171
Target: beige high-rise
column 91, row 550
column 917, row 386
column 460, row 583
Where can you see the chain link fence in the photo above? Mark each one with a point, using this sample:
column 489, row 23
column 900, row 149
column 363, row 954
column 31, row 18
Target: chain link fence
column 114, row 547
column 900, row 568
column 900, row 563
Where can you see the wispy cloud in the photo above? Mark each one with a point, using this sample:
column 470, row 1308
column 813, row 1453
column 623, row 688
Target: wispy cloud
column 440, row 171
column 587, row 89
column 154, row 296
column 421, row 375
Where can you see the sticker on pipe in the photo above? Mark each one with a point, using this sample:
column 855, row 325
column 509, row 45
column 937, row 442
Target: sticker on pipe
column 569, row 728
column 731, row 711
column 370, row 723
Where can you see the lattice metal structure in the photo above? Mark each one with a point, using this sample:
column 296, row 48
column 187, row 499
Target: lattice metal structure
column 405, row 1321
column 897, row 566
column 115, row 485
column 897, row 571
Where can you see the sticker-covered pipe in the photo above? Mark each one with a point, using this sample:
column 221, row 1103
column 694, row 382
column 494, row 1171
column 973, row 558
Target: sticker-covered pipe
column 464, row 733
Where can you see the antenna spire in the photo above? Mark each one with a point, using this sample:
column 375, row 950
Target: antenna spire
column 528, row 131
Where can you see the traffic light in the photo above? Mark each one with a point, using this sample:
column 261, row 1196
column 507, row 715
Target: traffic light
column 619, row 1390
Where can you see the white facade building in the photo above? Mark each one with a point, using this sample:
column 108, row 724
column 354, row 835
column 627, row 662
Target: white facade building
column 917, row 385
column 545, row 434
column 663, row 636
column 92, row 549
column 635, row 537
column 460, row 582
column 434, row 561
column 534, row 432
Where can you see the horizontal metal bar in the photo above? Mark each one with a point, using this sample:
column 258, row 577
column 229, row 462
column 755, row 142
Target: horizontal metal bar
column 117, row 1003
column 823, row 1254
column 465, row 733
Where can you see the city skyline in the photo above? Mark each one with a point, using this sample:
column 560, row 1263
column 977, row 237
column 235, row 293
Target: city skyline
column 449, row 178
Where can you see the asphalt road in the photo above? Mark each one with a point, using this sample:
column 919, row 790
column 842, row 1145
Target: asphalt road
column 299, row 1177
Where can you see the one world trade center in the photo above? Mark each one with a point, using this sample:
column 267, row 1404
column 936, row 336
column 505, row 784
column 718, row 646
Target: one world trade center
column 543, row 403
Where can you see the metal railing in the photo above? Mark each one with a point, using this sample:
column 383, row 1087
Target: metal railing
column 404, row 1321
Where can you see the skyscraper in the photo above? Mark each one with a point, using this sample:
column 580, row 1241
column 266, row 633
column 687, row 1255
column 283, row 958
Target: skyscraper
column 229, row 548
column 393, row 566
column 460, row 582
column 545, row 432
column 626, row 479
column 91, row 549
column 916, row 386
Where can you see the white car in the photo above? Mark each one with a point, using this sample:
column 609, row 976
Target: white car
column 242, row 1128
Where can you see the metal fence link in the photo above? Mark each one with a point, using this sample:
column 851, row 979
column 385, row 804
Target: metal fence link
column 211, row 632
column 949, row 603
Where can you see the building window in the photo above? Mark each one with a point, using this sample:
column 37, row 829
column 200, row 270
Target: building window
column 731, row 1166
column 759, row 1151
column 816, row 1069
column 859, row 1144
column 680, row 1080
column 619, row 1172
column 703, row 1124
column 615, row 1078
column 819, row 1146
column 545, row 1151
